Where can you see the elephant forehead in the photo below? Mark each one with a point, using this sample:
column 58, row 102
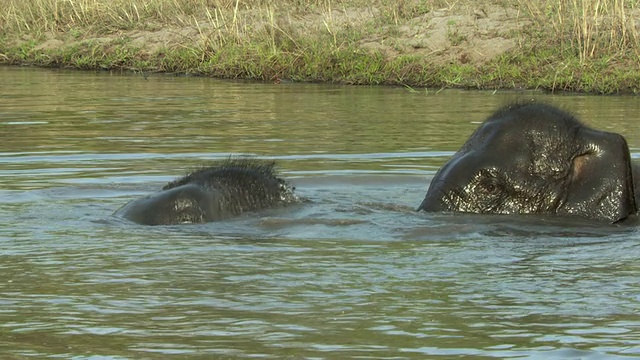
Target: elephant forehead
column 494, row 138
column 527, row 150
column 550, row 153
column 516, row 134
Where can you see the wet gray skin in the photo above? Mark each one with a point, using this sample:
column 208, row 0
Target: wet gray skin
column 533, row 158
column 212, row 193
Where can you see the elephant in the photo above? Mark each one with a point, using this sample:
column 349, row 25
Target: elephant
column 534, row 158
column 216, row 192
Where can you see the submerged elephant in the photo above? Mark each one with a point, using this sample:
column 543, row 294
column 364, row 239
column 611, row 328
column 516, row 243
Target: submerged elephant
column 533, row 158
column 217, row 192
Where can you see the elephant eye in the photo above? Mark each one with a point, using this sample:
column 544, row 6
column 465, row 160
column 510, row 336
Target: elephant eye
column 490, row 183
column 490, row 188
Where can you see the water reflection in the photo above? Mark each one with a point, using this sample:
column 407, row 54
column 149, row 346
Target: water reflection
column 356, row 272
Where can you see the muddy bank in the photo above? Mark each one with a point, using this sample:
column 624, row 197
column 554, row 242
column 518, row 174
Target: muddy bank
column 489, row 46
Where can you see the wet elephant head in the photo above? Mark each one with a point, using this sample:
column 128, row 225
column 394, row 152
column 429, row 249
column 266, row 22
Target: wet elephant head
column 189, row 203
column 212, row 193
column 533, row 158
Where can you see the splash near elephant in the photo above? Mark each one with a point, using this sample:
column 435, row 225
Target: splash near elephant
column 533, row 158
column 221, row 191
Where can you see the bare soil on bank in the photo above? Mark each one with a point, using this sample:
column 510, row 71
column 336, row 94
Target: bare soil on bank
column 443, row 36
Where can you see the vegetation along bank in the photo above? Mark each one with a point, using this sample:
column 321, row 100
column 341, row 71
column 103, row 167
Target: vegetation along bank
column 574, row 45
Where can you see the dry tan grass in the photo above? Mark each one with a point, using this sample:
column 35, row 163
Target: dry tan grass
column 56, row 15
column 590, row 26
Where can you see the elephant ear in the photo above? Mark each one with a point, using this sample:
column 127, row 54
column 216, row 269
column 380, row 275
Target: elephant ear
column 601, row 181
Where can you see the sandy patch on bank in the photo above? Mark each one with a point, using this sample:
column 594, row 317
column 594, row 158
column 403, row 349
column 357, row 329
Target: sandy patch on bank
column 443, row 36
column 448, row 37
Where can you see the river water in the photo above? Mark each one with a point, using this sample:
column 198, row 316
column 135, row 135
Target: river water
column 353, row 273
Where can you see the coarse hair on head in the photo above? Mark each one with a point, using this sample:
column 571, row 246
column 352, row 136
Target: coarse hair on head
column 232, row 168
column 535, row 110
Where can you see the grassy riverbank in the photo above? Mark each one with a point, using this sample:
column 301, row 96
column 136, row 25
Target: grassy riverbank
column 575, row 45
